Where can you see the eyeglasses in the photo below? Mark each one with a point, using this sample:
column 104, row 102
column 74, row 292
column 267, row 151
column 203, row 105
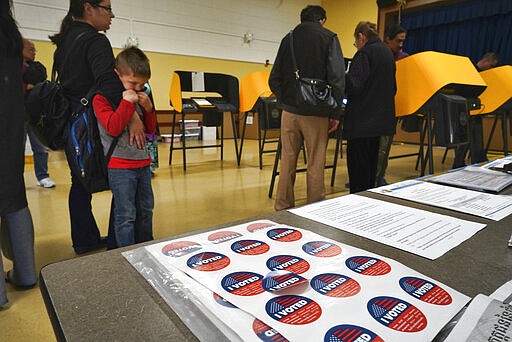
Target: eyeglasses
column 106, row 8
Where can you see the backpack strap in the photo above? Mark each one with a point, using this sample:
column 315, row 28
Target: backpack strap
column 88, row 100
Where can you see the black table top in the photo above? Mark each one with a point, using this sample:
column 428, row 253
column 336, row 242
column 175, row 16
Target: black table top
column 102, row 297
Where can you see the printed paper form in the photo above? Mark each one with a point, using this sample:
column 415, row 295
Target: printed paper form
column 420, row 232
column 494, row 207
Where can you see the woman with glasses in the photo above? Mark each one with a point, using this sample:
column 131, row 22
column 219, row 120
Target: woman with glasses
column 84, row 60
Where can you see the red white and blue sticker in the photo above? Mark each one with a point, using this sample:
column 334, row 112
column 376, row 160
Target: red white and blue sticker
column 294, row 310
column 222, row 301
column 368, row 266
column 322, row 249
column 278, row 281
column 208, row 261
column 425, row 291
column 253, row 227
column 223, row 236
column 243, row 283
column 397, row 314
column 288, row 263
column 266, row 333
column 335, row 285
column 180, row 248
column 351, row 333
column 284, row 234
column 250, row 247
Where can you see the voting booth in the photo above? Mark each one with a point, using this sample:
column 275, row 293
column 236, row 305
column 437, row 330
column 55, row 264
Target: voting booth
column 209, row 94
column 256, row 99
column 497, row 100
column 442, row 88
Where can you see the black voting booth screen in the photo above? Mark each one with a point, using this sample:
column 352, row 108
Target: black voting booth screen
column 269, row 115
column 451, row 120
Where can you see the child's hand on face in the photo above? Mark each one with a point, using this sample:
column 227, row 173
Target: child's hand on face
column 131, row 96
column 145, row 102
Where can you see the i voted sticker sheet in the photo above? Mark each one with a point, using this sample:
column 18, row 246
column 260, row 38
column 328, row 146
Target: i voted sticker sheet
column 297, row 283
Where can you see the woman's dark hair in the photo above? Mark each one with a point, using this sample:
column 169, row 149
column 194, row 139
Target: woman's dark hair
column 367, row 28
column 312, row 13
column 76, row 11
column 10, row 37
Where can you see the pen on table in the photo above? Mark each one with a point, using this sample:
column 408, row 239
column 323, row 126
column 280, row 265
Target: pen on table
column 510, row 241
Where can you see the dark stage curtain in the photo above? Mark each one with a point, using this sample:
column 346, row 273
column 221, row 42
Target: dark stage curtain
column 470, row 28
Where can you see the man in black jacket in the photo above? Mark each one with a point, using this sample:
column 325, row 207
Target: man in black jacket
column 370, row 113
column 318, row 54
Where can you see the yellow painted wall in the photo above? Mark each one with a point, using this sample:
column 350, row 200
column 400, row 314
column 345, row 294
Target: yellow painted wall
column 344, row 15
column 162, row 66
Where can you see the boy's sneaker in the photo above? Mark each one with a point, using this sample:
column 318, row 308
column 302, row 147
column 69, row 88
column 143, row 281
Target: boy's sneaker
column 46, row 183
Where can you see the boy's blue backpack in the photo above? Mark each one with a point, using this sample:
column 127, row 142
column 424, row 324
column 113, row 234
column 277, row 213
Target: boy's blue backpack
column 84, row 148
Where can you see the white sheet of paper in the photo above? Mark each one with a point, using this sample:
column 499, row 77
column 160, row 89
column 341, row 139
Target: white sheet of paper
column 493, row 207
column 197, row 81
column 346, row 288
column 485, row 319
column 498, row 162
column 420, row 232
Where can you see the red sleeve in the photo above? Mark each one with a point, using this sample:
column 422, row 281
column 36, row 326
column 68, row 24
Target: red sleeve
column 150, row 121
column 114, row 122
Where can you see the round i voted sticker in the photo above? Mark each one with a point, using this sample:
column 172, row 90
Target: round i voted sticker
column 219, row 300
column 250, row 247
column 396, row 314
column 293, row 310
column 283, row 281
column 208, row 261
column 351, row 333
column 368, row 266
column 258, row 226
column 180, row 248
column 425, row 291
column 266, row 333
column 243, row 283
column 284, row 234
column 223, row 236
column 335, row 285
column 322, row 249
column 288, row 263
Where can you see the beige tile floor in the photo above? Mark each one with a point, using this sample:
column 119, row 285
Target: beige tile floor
column 209, row 193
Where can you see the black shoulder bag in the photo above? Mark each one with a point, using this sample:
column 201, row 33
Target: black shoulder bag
column 47, row 109
column 313, row 95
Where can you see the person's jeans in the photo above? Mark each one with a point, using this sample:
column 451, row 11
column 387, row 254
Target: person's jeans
column 133, row 205
column 40, row 154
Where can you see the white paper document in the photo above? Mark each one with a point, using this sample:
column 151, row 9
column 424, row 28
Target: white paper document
column 485, row 319
column 420, row 232
column 296, row 285
column 475, row 178
column 493, row 207
column 498, row 162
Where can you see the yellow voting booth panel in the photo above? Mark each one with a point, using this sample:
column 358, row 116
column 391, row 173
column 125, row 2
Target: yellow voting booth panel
column 499, row 89
column 175, row 93
column 422, row 75
column 252, row 86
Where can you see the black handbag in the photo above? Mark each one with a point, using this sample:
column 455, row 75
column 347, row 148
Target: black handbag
column 47, row 109
column 313, row 95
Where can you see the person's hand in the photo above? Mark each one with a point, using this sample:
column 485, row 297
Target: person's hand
column 136, row 128
column 131, row 96
column 333, row 125
column 145, row 102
